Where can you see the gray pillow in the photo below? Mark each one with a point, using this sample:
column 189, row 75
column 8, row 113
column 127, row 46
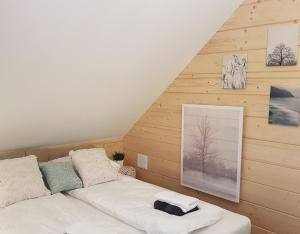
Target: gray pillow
column 60, row 176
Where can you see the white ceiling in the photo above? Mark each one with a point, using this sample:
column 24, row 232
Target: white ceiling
column 75, row 70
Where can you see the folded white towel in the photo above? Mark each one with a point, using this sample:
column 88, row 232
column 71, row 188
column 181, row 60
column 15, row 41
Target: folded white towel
column 186, row 203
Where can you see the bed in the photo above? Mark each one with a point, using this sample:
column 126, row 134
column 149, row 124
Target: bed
column 231, row 223
column 64, row 213
column 54, row 214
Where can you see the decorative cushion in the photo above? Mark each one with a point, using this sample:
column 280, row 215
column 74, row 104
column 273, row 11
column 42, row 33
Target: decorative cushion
column 99, row 151
column 84, row 152
column 117, row 166
column 60, row 176
column 20, row 179
column 93, row 166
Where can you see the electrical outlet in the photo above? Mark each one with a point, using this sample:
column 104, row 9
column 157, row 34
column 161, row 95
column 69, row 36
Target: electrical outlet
column 142, row 161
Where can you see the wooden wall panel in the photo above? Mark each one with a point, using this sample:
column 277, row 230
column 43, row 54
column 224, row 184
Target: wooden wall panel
column 258, row 230
column 264, row 13
column 238, row 40
column 270, row 183
column 47, row 153
column 51, row 152
column 212, row 63
column 12, row 154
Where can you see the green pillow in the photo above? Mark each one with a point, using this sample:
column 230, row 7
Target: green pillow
column 60, row 176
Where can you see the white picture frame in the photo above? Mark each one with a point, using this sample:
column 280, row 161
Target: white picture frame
column 284, row 105
column 218, row 173
column 282, row 49
column 234, row 71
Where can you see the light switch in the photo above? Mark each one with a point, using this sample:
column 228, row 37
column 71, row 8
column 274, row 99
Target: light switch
column 142, row 161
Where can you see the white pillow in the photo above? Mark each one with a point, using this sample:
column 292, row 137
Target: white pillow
column 93, row 166
column 99, row 151
column 20, row 179
column 117, row 166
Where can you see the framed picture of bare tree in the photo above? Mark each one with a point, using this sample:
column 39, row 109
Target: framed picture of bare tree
column 282, row 45
column 211, row 148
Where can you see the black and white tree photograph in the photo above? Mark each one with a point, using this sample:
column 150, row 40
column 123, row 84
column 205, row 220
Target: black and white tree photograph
column 234, row 71
column 211, row 149
column 282, row 45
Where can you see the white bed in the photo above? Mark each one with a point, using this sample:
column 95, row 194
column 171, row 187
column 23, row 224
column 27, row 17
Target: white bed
column 231, row 223
column 53, row 214
column 61, row 214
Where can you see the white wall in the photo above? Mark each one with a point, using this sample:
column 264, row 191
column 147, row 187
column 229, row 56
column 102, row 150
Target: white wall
column 73, row 70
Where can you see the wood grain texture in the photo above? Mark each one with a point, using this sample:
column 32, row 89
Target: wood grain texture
column 264, row 13
column 258, row 230
column 238, row 40
column 270, row 180
column 47, row 153
column 212, row 63
column 12, row 154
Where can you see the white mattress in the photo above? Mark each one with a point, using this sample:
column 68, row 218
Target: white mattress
column 231, row 223
column 52, row 214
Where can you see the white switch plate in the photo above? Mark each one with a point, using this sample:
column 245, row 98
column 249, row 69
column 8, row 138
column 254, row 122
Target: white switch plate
column 142, row 161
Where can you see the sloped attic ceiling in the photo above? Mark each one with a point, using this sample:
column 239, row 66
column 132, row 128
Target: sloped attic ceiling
column 75, row 70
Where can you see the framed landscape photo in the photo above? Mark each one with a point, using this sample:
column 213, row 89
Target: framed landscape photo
column 211, row 148
column 284, row 107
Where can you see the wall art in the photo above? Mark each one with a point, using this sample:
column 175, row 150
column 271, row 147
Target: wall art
column 211, row 149
column 234, row 71
column 282, row 45
column 284, row 106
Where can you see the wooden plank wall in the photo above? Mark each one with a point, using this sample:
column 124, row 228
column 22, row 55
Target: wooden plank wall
column 47, row 153
column 270, row 185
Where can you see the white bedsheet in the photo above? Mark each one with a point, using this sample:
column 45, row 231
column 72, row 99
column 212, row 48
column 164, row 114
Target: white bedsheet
column 88, row 227
column 55, row 214
column 231, row 223
column 41, row 215
column 131, row 201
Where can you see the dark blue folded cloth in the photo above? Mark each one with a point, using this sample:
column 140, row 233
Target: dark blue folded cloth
column 171, row 209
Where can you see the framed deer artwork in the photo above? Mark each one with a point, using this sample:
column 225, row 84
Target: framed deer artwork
column 211, row 148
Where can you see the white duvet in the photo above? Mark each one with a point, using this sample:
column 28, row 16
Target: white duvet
column 131, row 201
column 47, row 215
column 56, row 214
column 88, row 227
